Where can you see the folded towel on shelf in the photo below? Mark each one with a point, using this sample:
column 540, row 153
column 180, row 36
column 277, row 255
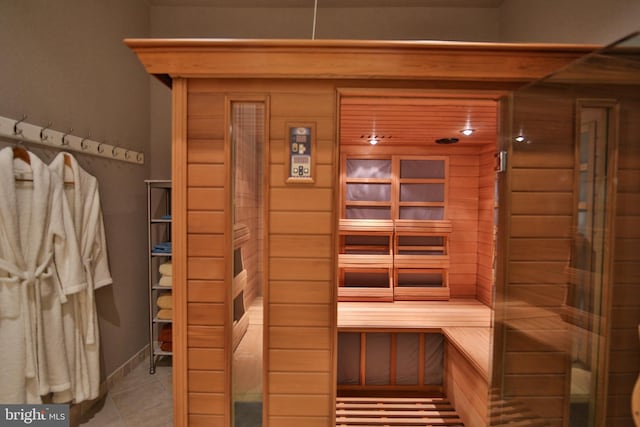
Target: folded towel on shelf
column 166, row 281
column 166, row 346
column 165, row 333
column 164, row 301
column 165, row 314
column 166, row 269
column 162, row 248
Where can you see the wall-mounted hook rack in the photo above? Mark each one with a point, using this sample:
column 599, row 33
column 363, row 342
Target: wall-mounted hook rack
column 45, row 136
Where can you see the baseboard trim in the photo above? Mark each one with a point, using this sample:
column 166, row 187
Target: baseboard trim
column 78, row 410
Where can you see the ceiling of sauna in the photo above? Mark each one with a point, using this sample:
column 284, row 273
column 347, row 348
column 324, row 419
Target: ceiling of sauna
column 417, row 121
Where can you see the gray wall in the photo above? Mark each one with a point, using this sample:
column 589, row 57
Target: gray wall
column 64, row 61
column 568, row 21
column 67, row 64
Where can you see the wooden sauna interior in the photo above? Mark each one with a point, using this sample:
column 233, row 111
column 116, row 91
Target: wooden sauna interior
column 378, row 270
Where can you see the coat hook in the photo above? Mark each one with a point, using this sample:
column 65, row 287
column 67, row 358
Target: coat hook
column 139, row 157
column 43, row 136
column 126, row 154
column 114, row 151
column 100, row 147
column 17, row 131
column 64, row 137
column 82, row 143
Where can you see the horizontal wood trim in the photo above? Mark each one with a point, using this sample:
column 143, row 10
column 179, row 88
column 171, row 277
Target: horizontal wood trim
column 300, row 383
column 289, row 222
column 301, row 199
column 314, row 269
column 535, row 363
column 525, row 203
column 205, row 291
column 293, row 337
column 206, row 359
column 206, row 381
column 301, row 292
column 206, row 175
column 205, row 268
column 205, row 222
column 205, row 245
column 554, row 180
column 299, row 405
column 206, row 199
column 531, row 385
column 205, row 336
column 299, row 360
column 303, row 315
column 529, row 272
column 541, row 226
column 203, row 103
column 291, row 246
column 317, row 104
column 206, row 314
column 200, row 420
column 536, row 249
column 205, row 127
column 206, row 403
column 286, row 421
column 208, row 151
column 541, row 156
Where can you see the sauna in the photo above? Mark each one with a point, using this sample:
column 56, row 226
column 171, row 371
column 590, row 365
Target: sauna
column 366, row 234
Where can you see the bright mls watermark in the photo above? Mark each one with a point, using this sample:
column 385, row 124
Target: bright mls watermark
column 34, row 415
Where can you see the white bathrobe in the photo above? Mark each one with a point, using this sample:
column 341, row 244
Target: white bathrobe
column 39, row 265
column 81, row 319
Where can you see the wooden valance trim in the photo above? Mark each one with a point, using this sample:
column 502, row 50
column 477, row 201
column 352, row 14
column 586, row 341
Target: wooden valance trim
column 353, row 59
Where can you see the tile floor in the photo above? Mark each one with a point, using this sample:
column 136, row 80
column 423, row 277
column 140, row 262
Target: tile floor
column 138, row 400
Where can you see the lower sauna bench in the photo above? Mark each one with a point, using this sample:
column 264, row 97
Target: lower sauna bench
column 417, row 378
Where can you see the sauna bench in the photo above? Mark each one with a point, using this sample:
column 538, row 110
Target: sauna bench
column 465, row 323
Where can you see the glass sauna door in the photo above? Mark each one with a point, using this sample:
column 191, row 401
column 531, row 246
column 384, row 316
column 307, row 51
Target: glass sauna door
column 247, row 141
column 566, row 346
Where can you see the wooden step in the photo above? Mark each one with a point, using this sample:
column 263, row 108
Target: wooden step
column 396, row 411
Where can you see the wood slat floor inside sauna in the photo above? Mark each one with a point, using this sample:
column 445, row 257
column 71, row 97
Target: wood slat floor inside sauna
column 396, row 411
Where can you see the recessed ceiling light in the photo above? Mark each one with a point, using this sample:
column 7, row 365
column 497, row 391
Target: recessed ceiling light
column 467, row 131
column 447, row 140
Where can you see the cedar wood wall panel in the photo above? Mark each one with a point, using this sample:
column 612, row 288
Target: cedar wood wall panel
column 301, row 255
column 207, row 219
column 536, row 340
column 466, row 388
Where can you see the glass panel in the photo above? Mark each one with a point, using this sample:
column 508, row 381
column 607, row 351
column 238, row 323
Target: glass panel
column 368, row 212
column 368, row 168
column 426, row 169
column 368, row 192
column 422, row 192
column 247, row 124
column 422, row 212
column 348, row 358
column 580, row 122
column 407, row 358
column 378, row 359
